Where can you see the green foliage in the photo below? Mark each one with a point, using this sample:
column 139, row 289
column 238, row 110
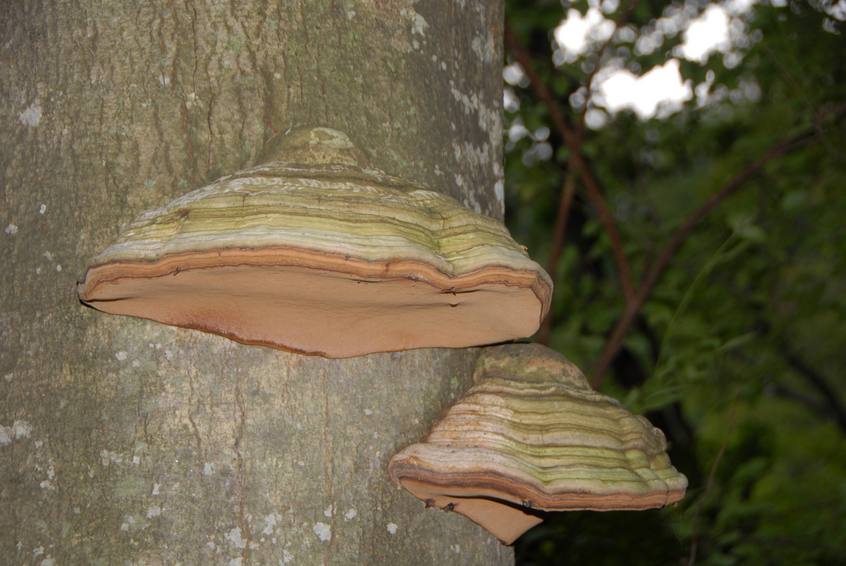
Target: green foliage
column 739, row 350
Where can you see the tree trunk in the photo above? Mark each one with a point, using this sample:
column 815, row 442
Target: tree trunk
column 126, row 441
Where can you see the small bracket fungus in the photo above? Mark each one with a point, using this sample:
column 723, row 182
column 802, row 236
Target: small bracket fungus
column 313, row 251
column 531, row 435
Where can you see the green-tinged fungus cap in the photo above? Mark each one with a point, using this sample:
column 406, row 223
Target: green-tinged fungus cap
column 531, row 435
column 314, row 252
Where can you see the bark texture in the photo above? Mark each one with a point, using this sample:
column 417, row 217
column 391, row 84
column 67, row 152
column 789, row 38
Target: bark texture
column 124, row 441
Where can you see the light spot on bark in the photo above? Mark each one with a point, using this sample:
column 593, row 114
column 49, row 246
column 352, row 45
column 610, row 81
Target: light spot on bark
column 329, row 511
column 127, row 523
column 286, row 557
column 235, row 562
column 349, row 10
column 368, row 412
column 11, row 229
column 350, row 514
column 121, row 356
column 392, row 528
column 323, row 531
column 484, row 48
column 48, row 561
column 235, row 539
column 19, row 429
column 37, row 551
column 156, row 487
column 59, row 267
column 455, row 548
column 154, row 511
column 31, row 116
column 22, row 429
column 108, row 457
column 418, row 24
column 488, row 118
column 42, row 208
column 270, row 522
column 208, row 469
column 499, row 192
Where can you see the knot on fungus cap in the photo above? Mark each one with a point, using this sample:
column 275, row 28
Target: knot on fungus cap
column 531, row 435
column 312, row 251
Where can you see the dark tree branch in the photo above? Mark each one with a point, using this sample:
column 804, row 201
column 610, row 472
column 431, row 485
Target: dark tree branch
column 709, row 483
column 572, row 139
column 624, row 323
column 568, row 191
column 816, row 380
column 572, row 136
column 814, row 405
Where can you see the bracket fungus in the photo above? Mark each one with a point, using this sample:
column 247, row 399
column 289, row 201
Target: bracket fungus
column 531, row 435
column 315, row 252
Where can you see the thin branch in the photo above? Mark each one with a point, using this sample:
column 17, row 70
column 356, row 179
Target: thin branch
column 735, row 184
column 570, row 135
column 709, row 483
column 621, row 329
column 559, row 233
column 816, row 380
column 568, row 189
column 814, row 405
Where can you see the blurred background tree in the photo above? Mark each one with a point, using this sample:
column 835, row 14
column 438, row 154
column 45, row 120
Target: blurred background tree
column 680, row 168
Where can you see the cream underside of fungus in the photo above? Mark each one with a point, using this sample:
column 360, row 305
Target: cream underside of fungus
column 313, row 252
column 532, row 435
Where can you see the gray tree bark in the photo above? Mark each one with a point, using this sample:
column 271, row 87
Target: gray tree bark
column 125, row 441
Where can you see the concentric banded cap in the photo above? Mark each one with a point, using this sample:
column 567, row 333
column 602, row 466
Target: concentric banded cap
column 532, row 435
column 315, row 252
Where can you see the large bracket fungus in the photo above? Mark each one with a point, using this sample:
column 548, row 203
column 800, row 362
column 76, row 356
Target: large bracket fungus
column 532, row 435
column 312, row 251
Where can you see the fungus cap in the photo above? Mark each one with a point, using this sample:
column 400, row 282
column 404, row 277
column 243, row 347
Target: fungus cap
column 531, row 435
column 313, row 251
